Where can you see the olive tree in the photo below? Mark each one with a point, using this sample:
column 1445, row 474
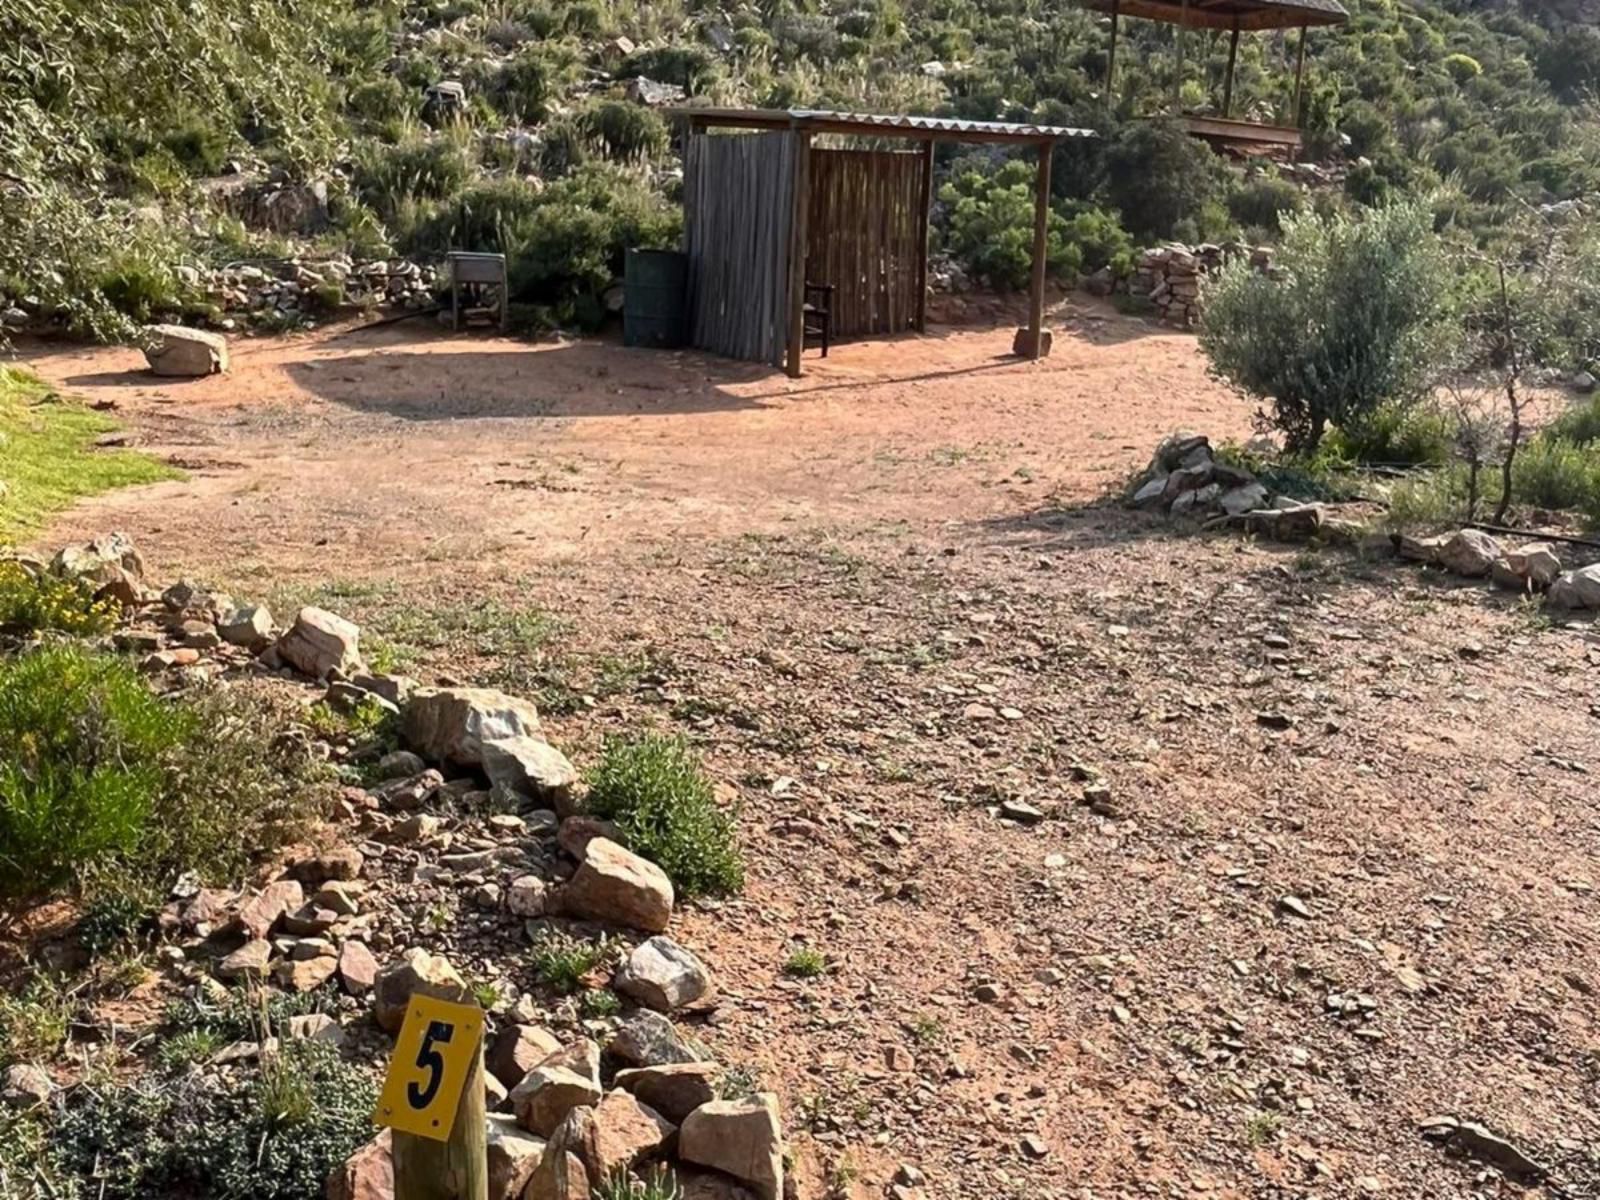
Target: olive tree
column 1354, row 315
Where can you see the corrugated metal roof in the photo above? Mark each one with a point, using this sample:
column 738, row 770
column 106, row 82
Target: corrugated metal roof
column 1253, row 15
column 941, row 124
column 885, row 124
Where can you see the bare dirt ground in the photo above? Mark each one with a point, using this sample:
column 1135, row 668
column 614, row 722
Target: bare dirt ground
column 884, row 600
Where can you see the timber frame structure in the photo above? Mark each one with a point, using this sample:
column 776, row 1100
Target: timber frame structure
column 1234, row 16
column 768, row 213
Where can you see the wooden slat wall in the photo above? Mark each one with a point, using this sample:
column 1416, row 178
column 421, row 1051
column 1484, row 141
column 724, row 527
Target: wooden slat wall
column 737, row 197
column 865, row 236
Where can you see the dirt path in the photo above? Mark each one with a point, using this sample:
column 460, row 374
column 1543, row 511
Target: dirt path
column 881, row 602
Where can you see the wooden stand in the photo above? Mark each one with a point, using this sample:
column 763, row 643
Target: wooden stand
column 454, row 1170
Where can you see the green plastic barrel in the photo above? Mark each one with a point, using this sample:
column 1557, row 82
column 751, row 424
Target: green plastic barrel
column 654, row 304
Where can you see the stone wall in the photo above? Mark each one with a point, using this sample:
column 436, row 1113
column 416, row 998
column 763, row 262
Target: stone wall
column 1169, row 276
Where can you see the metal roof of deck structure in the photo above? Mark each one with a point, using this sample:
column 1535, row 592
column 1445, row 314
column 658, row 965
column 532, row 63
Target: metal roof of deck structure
column 1229, row 14
column 814, row 120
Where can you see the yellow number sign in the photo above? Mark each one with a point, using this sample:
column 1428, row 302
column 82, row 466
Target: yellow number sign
column 432, row 1059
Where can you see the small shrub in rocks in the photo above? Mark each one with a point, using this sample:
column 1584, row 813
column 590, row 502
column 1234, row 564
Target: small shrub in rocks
column 272, row 1135
column 658, row 1184
column 561, row 961
column 805, row 963
column 37, row 604
column 664, row 807
column 33, row 1021
column 102, row 776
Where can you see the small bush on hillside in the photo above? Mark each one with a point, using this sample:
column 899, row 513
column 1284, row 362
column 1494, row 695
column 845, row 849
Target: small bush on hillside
column 1355, row 320
column 1417, row 434
column 561, row 961
column 1580, row 424
column 1159, row 178
column 34, row 1020
column 1100, row 241
column 99, row 774
column 1550, row 472
column 48, row 603
column 991, row 227
column 424, row 168
column 623, row 132
column 1262, row 201
column 274, row 1135
column 692, row 68
column 665, row 809
column 528, row 81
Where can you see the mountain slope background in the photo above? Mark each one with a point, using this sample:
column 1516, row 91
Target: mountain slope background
column 117, row 116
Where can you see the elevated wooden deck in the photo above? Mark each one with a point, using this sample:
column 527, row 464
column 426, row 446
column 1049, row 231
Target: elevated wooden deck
column 1244, row 137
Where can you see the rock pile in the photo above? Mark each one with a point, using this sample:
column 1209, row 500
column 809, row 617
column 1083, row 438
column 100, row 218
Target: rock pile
column 295, row 291
column 1169, row 276
column 1184, row 478
column 1534, row 567
column 468, row 846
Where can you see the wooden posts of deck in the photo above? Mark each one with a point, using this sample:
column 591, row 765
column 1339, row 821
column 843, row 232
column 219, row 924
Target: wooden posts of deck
column 925, row 203
column 1041, row 242
column 1299, row 76
column 1227, row 83
column 1111, row 58
column 1177, row 74
column 797, row 250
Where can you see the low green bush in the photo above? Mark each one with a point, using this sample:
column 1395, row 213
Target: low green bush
column 1261, row 202
column 32, row 603
column 1401, row 435
column 274, row 1135
column 693, row 68
column 623, row 132
column 100, row 775
column 422, row 168
column 665, row 809
column 991, row 227
column 1551, row 472
column 1163, row 182
column 1580, row 423
column 561, row 961
column 34, row 1020
column 1099, row 240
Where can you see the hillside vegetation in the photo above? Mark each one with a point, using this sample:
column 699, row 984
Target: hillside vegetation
column 117, row 117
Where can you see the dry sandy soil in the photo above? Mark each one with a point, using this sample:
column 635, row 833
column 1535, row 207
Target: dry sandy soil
column 886, row 599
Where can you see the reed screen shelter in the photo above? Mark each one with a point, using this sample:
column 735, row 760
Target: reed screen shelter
column 1235, row 16
column 772, row 214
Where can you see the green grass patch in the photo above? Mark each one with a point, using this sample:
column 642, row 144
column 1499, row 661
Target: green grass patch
column 34, row 1021
column 101, row 778
column 48, row 458
column 562, row 962
column 663, row 804
column 806, row 963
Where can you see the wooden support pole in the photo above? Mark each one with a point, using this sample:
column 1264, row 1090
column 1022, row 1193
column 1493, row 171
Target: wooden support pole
column 797, row 250
column 1111, row 59
column 1227, row 83
column 1041, row 243
column 925, row 202
column 1299, row 76
column 454, row 1170
column 1177, row 74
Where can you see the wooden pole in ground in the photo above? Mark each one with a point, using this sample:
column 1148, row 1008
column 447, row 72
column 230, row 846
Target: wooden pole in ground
column 1041, row 242
column 1177, row 75
column 925, row 200
column 797, row 250
column 1227, row 85
column 454, row 1170
column 1111, row 59
column 1299, row 75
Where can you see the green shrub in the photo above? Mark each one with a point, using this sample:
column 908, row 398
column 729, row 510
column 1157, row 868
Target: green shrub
column 1159, row 177
column 991, row 227
column 623, row 132
column 1354, row 319
column 424, row 168
column 199, row 145
column 1550, row 472
column 1418, row 434
column 1580, row 424
column 1262, row 201
column 275, row 1135
column 806, row 963
column 1099, row 240
column 690, row 67
column 1463, row 68
column 528, row 81
column 101, row 775
column 34, row 1020
column 38, row 603
column 561, row 962
column 665, row 809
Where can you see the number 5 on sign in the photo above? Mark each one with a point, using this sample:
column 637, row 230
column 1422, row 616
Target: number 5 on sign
column 432, row 1059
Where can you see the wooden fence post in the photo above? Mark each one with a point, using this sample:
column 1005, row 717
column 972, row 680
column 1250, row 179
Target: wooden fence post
column 1041, row 251
column 454, row 1170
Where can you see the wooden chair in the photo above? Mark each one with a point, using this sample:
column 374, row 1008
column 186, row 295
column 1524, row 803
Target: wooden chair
column 818, row 312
